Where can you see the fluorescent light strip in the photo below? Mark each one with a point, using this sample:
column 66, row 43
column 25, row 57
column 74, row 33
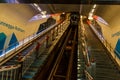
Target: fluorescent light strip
column 94, row 6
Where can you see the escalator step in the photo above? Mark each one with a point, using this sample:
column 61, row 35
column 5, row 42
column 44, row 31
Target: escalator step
column 28, row 75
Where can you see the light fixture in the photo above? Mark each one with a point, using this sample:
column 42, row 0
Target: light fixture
column 92, row 10
column 43, row 16
column 43, row 12
column 63, row 13
column 80, row 16
column 37, row 6
column 94, row 6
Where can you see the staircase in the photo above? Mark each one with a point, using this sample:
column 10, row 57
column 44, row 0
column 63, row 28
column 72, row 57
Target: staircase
column 105, row 67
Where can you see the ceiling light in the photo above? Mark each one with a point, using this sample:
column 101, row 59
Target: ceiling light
column 90, row 16
column 63, row 13
column 43, row 16
column 35, row 4
column 43, row 12
column 93, row 10
column 39, row 8
column 80, row 16
column 94, row 6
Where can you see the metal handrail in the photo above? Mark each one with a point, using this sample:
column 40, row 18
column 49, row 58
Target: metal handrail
column 88, row 76
column 85, row 47
column 108, row 47
column 26, row 41
column 6, row 68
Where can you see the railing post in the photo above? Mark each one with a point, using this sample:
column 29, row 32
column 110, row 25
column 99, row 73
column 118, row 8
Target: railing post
column 47, row 38
column 53, row 35
column 37, row 51
column 21, row 68
column 57, row 31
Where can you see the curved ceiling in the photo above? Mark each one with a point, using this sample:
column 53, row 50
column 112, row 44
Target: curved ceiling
column 108, row 12
column 63, row 1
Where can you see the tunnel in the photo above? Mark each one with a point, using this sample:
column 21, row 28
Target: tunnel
column 59, row 40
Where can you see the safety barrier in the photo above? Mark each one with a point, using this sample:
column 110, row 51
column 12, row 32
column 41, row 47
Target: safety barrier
column 10, row 72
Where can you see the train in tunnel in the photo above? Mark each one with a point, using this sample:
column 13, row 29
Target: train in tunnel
column 74, row 18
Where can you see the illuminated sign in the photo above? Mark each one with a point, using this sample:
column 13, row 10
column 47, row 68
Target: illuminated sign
column 9, row 26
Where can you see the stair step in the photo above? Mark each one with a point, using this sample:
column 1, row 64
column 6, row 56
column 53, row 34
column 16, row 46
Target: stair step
column 108, row 73
column 106, row 66
column 99, row 77
column 28, row 76
column 105, row 70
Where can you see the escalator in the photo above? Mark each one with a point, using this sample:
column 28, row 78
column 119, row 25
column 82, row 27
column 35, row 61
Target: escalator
column 105, row 67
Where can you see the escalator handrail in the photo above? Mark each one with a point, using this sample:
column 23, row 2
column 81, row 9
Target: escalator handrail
column 7, row 68
column 86, row 52
column 88, row 76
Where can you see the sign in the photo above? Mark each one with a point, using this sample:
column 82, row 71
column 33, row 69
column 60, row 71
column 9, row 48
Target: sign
column 9, row 26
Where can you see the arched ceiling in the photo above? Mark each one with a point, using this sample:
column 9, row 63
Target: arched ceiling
column 108, row 12
column 59, row 8
column 63, row 1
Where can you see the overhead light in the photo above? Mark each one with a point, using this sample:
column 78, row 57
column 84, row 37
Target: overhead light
column 43, row 12
column 80, row 16
column 90, row 16
column 39, row 17
column 43, row 16
column 63, row 13
column 94, row 6
column 92, row 10
column 35, row 4
column 39, row 8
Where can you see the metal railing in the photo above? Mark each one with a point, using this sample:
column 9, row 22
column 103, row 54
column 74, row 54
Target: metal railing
column 107, row 45
column 27, row 60
column 85, row 51
column 88, row 76
column 84, row 44
column 4, row 53
column 13, row 72
column 10, row 72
